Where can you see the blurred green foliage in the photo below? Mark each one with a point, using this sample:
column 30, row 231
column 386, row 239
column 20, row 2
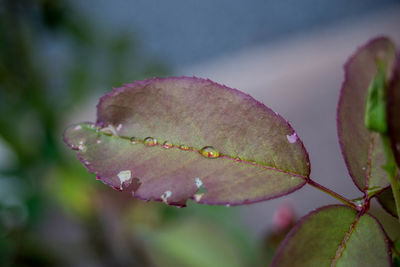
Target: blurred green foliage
column 52, row 211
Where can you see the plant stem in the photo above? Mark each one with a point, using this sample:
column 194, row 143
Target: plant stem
column 392, row 170
column 341, row 198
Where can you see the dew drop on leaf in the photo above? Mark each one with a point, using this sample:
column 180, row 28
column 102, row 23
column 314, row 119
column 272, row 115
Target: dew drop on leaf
column 119, row 127
column 134, row 140
column 198, row 182
column 150, row 141
column 109, row 130
column 197, row 197
column 292, row 138
column 209, row 152
column 124, row 176
column 167, row 144
column 165, row 196
column 82, row 146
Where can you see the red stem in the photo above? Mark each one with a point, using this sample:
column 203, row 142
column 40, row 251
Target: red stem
column 346, row 201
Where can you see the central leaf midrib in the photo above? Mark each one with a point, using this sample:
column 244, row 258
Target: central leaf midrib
column 340, row 250
column 194, row 149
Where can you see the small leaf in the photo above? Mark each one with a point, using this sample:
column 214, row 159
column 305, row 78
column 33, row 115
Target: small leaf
column 361, row 149
column 386, row 199
column 375, row 113
column 335, row 236
column 163, row 139
column 393, row 110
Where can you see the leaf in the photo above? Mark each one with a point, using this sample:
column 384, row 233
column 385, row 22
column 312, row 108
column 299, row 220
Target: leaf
column 192, row 243
column 250, row 153
column 393, row 110
column 361, row 149
column 335, row 236
column 386, row 199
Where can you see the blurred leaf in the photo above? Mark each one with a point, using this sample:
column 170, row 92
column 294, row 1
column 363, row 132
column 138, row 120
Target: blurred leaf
column 386, row 199
column 255, row 154
column 362, row 150
column 73, row 190
column 393, row 109
column 396, row 255
column 193, row 243
column 335, row 236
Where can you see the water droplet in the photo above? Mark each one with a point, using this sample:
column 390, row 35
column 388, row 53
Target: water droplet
column 98, row 141
column 292, row 138
column 109, row 130
column 227, row 205
column 82, row 146
column 184, row 147
column 209, row 152
column 78, row 127
column 134, row 140
column 165, row 196
column 197, row 197
column 150, row 141
column 363, row 168
column 124, row 176
column 198, row 182
column 167, row 144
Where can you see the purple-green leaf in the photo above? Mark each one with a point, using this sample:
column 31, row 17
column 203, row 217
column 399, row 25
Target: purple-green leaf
column 168, row 139
column 393, row 110
column 362, row 150
column 335, row 236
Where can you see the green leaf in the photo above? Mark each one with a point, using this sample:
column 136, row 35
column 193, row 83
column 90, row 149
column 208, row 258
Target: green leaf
column 164, row 139
column 393, row 110
column 375, row 113
column 362, row 149
column 335, row 236
column 192, row 243
column 386, row 199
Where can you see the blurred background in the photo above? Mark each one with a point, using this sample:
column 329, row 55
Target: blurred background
column 57, row 57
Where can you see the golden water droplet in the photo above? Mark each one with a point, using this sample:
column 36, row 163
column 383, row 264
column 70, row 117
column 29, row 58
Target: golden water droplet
column 209, row 152
column 150, row 141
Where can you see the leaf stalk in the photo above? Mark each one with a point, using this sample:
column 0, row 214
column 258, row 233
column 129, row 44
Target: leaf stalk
column 339, row 197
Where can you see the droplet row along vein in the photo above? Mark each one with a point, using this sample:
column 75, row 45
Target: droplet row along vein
column 158, row 130
column 207, row 151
